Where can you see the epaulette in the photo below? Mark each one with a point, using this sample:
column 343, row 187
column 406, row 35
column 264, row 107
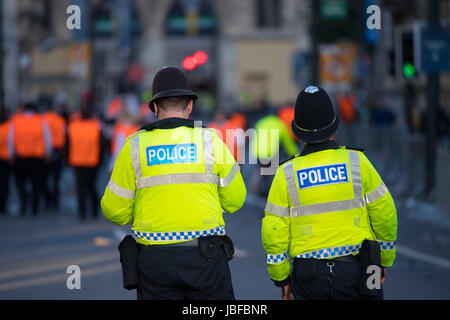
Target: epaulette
column 131, row 136
column 288, row 159
column 353, row 148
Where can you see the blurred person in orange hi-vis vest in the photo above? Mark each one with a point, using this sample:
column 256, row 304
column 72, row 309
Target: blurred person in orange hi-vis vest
column 29, row 146
column 286, row 114
column 113, row 109
column 85, row 145
column 57, row 125
column 125, row 126
column 346, row 105
column 227, row 131
column 5, row 168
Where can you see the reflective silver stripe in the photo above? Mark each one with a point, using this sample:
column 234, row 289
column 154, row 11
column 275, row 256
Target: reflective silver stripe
column 292, row 187
column 174, row 178
column 328, row 207
column 377, row 193
column 208, row 154
column 135, row 157
column 356, row 173
column 119, row 191
column 277, row 210
column 223, row 182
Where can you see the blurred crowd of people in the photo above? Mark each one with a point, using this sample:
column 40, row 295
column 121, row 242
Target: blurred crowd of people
column 42, row 138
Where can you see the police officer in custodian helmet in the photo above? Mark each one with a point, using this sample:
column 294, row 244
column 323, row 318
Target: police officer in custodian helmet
column 172, row 180
column 329, row 210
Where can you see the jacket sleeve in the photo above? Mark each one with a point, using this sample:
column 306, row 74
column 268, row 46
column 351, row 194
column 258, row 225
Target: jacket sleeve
column 381, row 210
column 232, row 191
column 275, row 230
column 118, row 201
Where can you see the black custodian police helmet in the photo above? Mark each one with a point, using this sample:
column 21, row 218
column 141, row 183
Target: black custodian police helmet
column 170, row 82
column 314, row 118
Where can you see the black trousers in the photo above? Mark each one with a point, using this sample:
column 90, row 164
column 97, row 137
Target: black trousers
column 85, row 180
column 5, row 170
column 52, row 175
column 328, row 280
column 182, row 273
column 29, row 169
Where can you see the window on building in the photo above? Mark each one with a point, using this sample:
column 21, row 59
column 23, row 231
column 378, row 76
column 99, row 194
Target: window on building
column 191, row 17
column 268, row 13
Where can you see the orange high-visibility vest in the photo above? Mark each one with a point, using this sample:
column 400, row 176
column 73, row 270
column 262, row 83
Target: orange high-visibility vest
column 347, row 110
column 84, row 142
column 29, row 141
column 4, row 131
column 286, row 114
column 238, row 120
column 114, row 108
column 57, row 126
column 125, row 130
column 230, row 140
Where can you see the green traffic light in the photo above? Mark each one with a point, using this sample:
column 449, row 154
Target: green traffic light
column 408, row 70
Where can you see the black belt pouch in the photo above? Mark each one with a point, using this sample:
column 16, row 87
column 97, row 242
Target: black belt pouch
column 369, row 255
column 210, row 246
column 228, row 247
column 128, row 249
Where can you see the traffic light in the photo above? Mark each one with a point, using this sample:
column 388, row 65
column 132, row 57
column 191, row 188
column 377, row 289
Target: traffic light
column 197, row 59
column 408, row 68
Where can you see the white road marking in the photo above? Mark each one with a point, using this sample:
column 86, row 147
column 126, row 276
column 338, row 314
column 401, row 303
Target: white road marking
column 59, row 277
column 240, row 253
column 81, row 261
column 425, row 257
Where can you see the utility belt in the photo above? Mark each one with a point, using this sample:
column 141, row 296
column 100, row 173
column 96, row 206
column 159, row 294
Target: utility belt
column 209, row 247
column 369, row 255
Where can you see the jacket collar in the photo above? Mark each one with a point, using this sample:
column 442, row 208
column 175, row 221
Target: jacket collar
column 316, row 147
column 169, row 123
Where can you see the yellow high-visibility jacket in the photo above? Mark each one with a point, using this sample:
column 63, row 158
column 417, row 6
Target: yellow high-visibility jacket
column 323, row 204
column 172, row 180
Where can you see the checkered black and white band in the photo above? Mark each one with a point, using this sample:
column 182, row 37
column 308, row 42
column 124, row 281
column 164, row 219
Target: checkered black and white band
column 328, row 252
column 179, row 235
column 343, row 250
column 276, row 258
column 331, row 252
column 387, row 245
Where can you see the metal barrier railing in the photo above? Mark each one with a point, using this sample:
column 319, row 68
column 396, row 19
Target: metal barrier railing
column 399, row 157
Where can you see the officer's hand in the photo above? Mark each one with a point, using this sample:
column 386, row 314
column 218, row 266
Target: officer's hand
column 286, row 292
column 383, row 274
